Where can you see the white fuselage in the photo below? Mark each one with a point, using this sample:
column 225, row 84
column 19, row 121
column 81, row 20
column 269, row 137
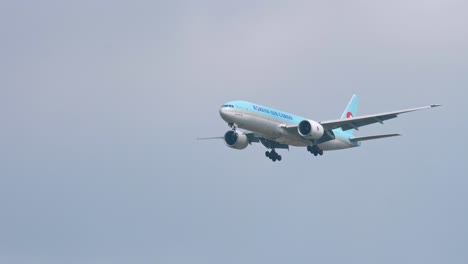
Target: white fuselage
column 272, row 128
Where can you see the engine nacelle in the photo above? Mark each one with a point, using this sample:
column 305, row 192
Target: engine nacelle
column 236, row 140
column 310, row 129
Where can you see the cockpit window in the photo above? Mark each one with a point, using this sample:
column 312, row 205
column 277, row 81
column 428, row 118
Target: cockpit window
column 228, row 105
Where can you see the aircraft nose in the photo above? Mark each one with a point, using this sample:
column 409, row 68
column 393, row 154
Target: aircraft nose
column 224, row 113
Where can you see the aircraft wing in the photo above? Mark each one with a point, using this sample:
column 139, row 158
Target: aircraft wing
column 257, row 138
column 253, row 137
column 356, row 122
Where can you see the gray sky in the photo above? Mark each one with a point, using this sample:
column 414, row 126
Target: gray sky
column 101, row 102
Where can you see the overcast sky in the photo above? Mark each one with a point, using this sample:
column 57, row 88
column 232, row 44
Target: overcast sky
column 101, row 102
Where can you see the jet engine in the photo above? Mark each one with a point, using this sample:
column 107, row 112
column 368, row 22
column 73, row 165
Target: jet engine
column 310, row 129
column 236, row 140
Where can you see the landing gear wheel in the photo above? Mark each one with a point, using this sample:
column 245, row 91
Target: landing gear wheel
column 273, row 155
column 315, row 150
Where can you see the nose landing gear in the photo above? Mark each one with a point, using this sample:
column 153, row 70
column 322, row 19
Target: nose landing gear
column 232, row 126
column 273, row 155
column 315, row 150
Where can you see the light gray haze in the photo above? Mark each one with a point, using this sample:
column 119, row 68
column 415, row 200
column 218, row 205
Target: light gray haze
column 101, row 102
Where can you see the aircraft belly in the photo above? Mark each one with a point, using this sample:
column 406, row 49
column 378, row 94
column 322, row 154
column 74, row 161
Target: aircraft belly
column 335, row 144
column 292, row 141
column 271, row 129
column 262, row 126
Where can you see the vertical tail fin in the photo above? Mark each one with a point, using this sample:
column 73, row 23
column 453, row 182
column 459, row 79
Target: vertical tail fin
column 351, row 110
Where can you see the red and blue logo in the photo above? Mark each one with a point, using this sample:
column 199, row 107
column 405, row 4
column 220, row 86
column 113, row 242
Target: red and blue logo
column 349, row 115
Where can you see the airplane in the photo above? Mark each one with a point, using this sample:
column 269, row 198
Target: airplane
column 276, row 129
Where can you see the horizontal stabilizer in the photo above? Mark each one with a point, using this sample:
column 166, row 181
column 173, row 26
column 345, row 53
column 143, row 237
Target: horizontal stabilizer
column 373, row 137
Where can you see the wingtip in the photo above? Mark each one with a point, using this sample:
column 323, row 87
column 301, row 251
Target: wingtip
column 436, row 105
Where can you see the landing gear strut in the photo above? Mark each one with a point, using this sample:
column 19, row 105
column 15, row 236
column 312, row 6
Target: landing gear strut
column 273, row 155
column 315, row 150
column 232, row 126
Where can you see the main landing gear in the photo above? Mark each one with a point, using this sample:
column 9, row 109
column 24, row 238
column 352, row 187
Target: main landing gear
column 315, row 150
column 273, row 155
